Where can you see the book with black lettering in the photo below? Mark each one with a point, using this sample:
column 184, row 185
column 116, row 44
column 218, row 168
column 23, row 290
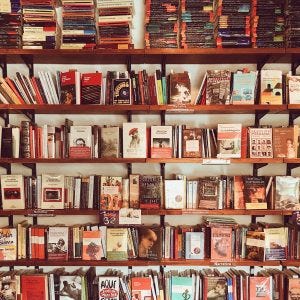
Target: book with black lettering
column 91, row 85
column 151, row 191
column 121, row 90
column 109, row 287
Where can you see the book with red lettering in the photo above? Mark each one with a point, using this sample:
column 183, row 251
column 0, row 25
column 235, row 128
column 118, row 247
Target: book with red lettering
column 80, row 142
column 161, row 141
column 91, row 84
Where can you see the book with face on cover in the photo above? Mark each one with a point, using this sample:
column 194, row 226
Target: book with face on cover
column 52, row 191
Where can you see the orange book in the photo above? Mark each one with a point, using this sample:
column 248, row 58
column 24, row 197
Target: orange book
column 221, row 243
column 260, row 288
column 12, row 86
column 41, row 243
column 141, row 288
column 92, row 247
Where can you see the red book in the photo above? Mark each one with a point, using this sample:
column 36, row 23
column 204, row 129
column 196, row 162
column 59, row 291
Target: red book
column 34, row 287
column 260, row 288
column 68, row 87
column 13, row 87
column 39, row 98
column 141, row 288
column 244, row 142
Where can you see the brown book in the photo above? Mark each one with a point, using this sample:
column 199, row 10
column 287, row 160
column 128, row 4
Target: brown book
column 192, row 142
column 255, row 245
column 208, row 192
column 254, row 189
column 221, row 243
column 285, row 141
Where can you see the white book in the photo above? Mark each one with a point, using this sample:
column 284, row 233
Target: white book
column 21, row 90
column 52, row 191
column 91, row 191
column 52, row 87
column 12, row 191
column 293, row 89
column 45, row 87
column 109, row 285
column 134, row 140
column 175, row 194
column 77, row 86
column 80, row 142
column 194, row 245
column 77, row 192
column 15, row 142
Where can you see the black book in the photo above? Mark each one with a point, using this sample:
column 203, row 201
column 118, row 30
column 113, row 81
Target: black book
column 7, row 142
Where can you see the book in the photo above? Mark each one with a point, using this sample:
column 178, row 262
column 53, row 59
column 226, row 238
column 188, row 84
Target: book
column 255, row 245
column 91, row 85
column 293, row 288
column 192, row 142
column 293, row 82
column 229, row 140
column 194, row 245
column 221, row 243
column 134, row 191
column 52, row 191
column 261, row 142
column 214, row 287
column 109, row 288
column 111, row 193
column 68, row 83
column 58, row 243
column 116, row 246
column 180, row 88
column 182, row 288
column 150, row 191
column 141, row 288
column 175, row 194
column 134, row 140
column 8, row 244
column 9, row 287
column 254, row 192
column 260, row 288
column 71, row 287
column 208, row 192
column 40, row 284
column 110, row 142
column 12, row 192
column 271, row 87
column 276, row 243
column 91, row 245
column 150, row 242
column 161, row 141
column 80, row 142
column 121, row 91
column 285, row 141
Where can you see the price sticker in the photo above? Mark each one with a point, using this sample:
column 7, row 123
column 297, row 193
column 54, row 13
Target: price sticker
column 215, row 161
column 109, row 217
column 41, row 213
column 222, row 263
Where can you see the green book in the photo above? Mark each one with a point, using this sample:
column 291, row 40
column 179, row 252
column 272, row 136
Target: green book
column 182, row 288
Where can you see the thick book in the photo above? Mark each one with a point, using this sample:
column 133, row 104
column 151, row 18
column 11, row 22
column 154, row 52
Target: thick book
column 261, row 143
column 117, row 239
column 58, row 243
column 271, row 87
column 80, row 142
column 92, row 245
column 161, row 141
column 91, row 85
column 180, row 88
column 52, row 191
column 111, row 193
column 12, row 192
column 192, row 142
column 110, row 142
column 8, row 244
column 109, row 287
column 194, row 245
column 150, row 191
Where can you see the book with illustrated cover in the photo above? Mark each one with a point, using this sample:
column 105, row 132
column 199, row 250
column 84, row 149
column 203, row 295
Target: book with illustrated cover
column 255, row 245
column 52, row 191
column 218, row 87
column 271, row 87
column 91, row 85
column 110, row 142
column 8, row 287
column 192, row 142
column 208, row 192
column 194, row 245
column 117, row 243
column 134, row 191
column 293, row 288
column 293, row 89
column 254, row 192
column 121, row 91
column 109, row 287
column 161, row 141
column 12, row 192
column 276, row 243
column 58, row 243
column 68, row 83
column 229, row 140
column 8, row 244
column 260, row 288
column 182, row 288
column 111, row 193
column 150, row 191
column 141, row 288
column 175, row 194
column 221, row 243
column 261, row 143
column 134, row 140
column 214, row 287
column 70, row 287
column 80, row 142
column 91, row 245
column 285, row 141
column 180, row 88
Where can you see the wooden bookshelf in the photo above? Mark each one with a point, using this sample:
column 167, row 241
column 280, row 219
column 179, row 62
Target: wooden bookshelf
column 232, row 160
column 72, row 160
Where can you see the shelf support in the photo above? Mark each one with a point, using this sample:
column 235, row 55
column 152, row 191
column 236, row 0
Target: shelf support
column 260, row 64
column 28, row 60
column 5, row 116
column 129, row 116
column 31, row 166
column 293, row 115
column 7, row 167
column 162, row 220
column 290, row 167
column 257, row 166
column 129, row 169
column 163, row 65
column 29, row 114
column 162, row 170
column 259, row 115
column 163, row 118
column 3, row 65
column 294, row 66
column 128, row 62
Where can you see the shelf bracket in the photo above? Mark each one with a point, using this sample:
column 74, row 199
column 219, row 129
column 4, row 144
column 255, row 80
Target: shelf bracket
column 3, row 65
column 260, row 64
column 257, row 166
column 32, row 167
column 129, row 169
column 290, row 167
column 294, row 66
column 7, row 167
column 10, row 220
column 163, row 65
column 162, row 170
column 29, row 114
column 293, row 115
column 28, row 60
column 259, row 115
column 5, row 116
column 163, row 118
column 162, row 220
column 128, row 62
column 129, row 116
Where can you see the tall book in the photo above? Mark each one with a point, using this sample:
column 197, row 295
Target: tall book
column 111, row 193
column 116, row 240
column 271, row 87
column 161, row 141
column 58, row 243
column 261, row 143
column 150, row 191
column 52, row 191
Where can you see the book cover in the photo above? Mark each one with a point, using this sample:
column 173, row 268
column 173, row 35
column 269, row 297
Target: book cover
column 260, row 288
column 70, row 287
column 150, row 191
column 141, row 288
column 244, row 86
column 40, row 284
column 12, row 192
column 58, row 243
column 68, row 87
column 150, row 242
column 255, row 245
column 8, row 244
column 91, row 85
column 214, row 287
column 117, row 243
column 218, row 87
column 52, row 191
column 261, row 143
column 192, row 142
column 175, row 194
column 221, row 243
column 182, row 288
column 8, row 287
column 255, row 192
column 229, row 140
column 287, row 192
column 293, row 89
column 208, row 192
column 121, row 91
column 285, row 141
column 194, row 245
column 7, row 142
column 80, row 142
column 111, row 193
column 110, row 142
column 109, row 288
column 91, row 245
column 134, row 191
column 238, row 188
column 161, row 141
column 276, row 243
column 293, row 288
column 180, row 88
column 271, row 87
column 134, row 140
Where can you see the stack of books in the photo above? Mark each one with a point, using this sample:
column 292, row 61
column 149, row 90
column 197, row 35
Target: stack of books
column 39, row 24
column 114, row 23
column 10, row 24
column 79, row 30
column 267, row 23
column 292, row 24
column 197, row 28
column 161, row 21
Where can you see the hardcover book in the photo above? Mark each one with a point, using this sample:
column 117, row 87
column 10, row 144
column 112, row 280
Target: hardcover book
column 180, row 88
column 111, row 193
column 8, row 244
column 80, row 142
column 121, row 91
column 229, row 140
column 117, row 244
column 58, row 243
column 182, row 288
column 175, row 194
column 276, row 243
column 110, row 142
column 271, row 87
column 141, row 288
column 194, row 245
column 91, row 84
column 109, row 287
column 134, row 140
column 12, row 192
column 161, row 141
column 52, row 191
column 261, row 288
column 91, row 245
column 192, row 142
column 221, row 243
column 254, row 192
column 261, row 143
column 285, row 141
column 150, row 191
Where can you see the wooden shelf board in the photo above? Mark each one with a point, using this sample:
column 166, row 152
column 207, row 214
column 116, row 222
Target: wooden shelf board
column 291, row 263
column 248, row 212
column 72, row 160
column 294, row 106
column 292, row 160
